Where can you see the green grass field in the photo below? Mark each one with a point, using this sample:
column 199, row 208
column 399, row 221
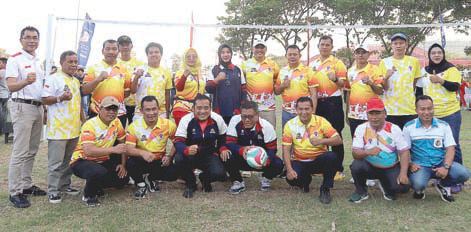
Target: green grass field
column 282, row 209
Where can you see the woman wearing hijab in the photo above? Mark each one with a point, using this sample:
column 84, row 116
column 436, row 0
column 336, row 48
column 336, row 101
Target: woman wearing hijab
column 227, row 84
column 440, row 80
column 188, row 83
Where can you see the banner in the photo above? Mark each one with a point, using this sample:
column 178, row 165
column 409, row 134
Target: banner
column 85, row 41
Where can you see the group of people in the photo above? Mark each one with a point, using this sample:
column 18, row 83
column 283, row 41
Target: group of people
column 403, row 140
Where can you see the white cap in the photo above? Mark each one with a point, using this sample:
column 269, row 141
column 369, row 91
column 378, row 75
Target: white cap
column 259, row 41
column 364, row 47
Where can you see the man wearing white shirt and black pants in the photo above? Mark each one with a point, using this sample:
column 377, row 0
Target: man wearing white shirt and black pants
column 25, row 79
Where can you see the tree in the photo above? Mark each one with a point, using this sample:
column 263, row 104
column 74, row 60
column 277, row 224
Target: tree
column 176, row 62
column 467, row 50
column 3, row 53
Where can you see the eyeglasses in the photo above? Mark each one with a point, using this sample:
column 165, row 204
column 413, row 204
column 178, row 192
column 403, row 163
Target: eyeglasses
column 33, row 38
column 250, row 117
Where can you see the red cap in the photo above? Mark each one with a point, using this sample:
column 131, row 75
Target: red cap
column 374, row 104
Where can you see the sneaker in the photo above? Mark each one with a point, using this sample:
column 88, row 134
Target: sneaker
column 207, row 188
column 370, row 183
column 357, row 198
column 419, row 195
column 100, row 193
column 131, row 181
column 55, row 198
column 455, row 189
column 71, row 191
column 84, row 198
column 152, row 186
column 325, row 197
column 141, row 191
column 93, row 201
column 305, row 188
column 387, row 196
column 352, row 181
column 237, row 187
column 246, row 174
column 188, row 193
column 19, row 201
column 339, row 176
column 35, row 191
column 444, row 193
column 265, row 184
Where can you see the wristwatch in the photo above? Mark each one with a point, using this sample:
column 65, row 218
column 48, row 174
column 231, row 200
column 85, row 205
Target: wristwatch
column 58, row 99
column 446, row 166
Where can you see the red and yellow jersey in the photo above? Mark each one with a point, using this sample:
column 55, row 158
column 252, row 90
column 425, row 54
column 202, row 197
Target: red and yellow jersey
column 261, row 78
column 132, row 66
column 154, row 82
column 361, row 92
column 328, row 88
column 399, row 99
column 296, row 135
column 301, row 78
column 153, row 140
column 444, row 102
column 94, row 131
column 193, row 86
column 118, row 81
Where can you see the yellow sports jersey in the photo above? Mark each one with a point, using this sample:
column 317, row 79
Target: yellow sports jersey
column 63, row 118
column 193, row 86
column 301, row 78
column 118, row 81
column 153, row 140
column 296, row 135
column 444, row 102
column 260, row 79
column 154, row 82
column 399, row 99
column 130, row 65
column 360, row 92
column 94, row 131
column 328, row 88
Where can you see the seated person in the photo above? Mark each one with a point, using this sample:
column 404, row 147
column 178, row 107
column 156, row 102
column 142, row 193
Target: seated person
column 432, row 149
column 308, row 136
column 91, row 158
column 199, row 141
column 375, row 148
column 244, row 132
column 146, row 140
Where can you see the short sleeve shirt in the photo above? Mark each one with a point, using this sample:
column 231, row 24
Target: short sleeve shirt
column 428, row 145
column 360, row 92
column 18, row 66
column 328, row 88
column 389, row 139
column 444, row 102
column 260, row 78
column 94, row 131
column 154, row 82
column 153, row 140
column 399, row 99
column 301, row 80
column 118, row 81
column 297, row 135
column 63, row 118
column 193, row 86
column 130, row 65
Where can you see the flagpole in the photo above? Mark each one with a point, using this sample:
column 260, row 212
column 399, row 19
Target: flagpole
column 77, row 26
column 308, row 38
column 191, row 30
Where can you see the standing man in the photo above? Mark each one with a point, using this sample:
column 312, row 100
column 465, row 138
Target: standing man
column 432, row 150
column 64, row 115
column 131, row 64
column 400, row 73
column 261, row 74
column 25, row 79
column 308, row 136
column 4, row 94
column 152, row 80
column 298, row 81
column 146, row 141
column 331, row 75
column 108, row 78
column 199, row 141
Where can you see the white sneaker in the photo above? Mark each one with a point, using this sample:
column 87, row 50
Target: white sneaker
column 246, row 174
column 352, row 181
column 237, row 187
column 266, row 183
column 370, row 183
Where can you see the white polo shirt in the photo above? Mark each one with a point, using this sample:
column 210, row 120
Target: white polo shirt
column 18, row 66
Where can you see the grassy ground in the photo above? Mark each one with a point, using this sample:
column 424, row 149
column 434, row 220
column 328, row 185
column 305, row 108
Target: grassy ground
column 282, row 209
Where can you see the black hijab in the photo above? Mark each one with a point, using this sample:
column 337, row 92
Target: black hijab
column 221, row 62
column 440, row 67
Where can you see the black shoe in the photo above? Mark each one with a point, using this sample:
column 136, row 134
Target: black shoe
column 140, row 192
column 305, row 188
column 35, row 191
column 419, row 195
column 444, row 193
column 55, row 198
column 325, row 197
column 207, row 188
column 93, row 201
column 152, row 185
column 19, row 201
column 100, row 193
column 188, row 193
column 71, row 191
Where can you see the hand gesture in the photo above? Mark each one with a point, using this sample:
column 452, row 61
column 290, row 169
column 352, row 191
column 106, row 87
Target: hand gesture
column 221, row 76
column 187, row 72
column 246, row 149
column 441, row 172
column 366, row 79
column 31, row 78
column 103, row 75
column 390, row 72
column 67, row 96
column 315, row 141
column 331, row 76
column 414, row 167
column 402, row 179
column 120, row 149
column 147, row 156
column 225, row 155
column 193, row 149
column 166, row 161
column 121, row 171
column 314, row 68
column 436, row 79
column 291, row 174
column 286, row 83
column 373, row 151
column 139, row 73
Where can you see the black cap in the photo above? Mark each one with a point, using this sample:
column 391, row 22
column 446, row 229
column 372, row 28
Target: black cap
column 124, row 39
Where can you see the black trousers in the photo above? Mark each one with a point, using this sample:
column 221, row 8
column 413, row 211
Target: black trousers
column 325, row 164
column 362, row 170
column 237, row 162
column 400, row 120
column 354, row 123
column 210, row 164
column 136, row 167
column 331, row 108
column 129, row 114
